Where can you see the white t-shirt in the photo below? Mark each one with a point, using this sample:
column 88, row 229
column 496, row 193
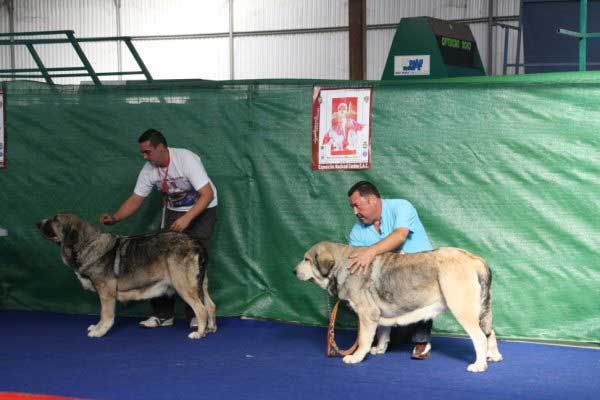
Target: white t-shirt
column 186, row 176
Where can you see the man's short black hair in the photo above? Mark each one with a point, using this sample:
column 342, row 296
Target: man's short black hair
column 154, row 136
column 364, row 188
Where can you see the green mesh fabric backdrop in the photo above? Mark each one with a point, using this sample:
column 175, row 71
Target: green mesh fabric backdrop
column 507, row 168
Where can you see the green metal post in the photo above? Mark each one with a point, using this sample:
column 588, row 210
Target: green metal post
column 83, row 58
column 582, row 36
column 138, row 59
column 583, row 30
column 40, row 64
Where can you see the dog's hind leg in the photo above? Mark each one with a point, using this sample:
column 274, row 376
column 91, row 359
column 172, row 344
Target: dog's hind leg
column 199, row 311
column 463, row 299
column 190, row 296
column 383, row 339
column 485, row 318
column 469, row 323
column 107, row 292
column 493, row 354
column 210, row 307
column 202, row 279
column 188, row 287
column 485, row 322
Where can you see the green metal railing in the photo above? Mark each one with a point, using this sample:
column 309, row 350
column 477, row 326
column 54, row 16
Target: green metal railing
column 66, row 72
column 582, row 35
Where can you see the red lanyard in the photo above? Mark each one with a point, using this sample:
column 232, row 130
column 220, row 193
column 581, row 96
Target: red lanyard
column 163, row 186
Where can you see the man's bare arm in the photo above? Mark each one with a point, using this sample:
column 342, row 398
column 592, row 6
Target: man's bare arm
column 364, row 257
column 128, row 208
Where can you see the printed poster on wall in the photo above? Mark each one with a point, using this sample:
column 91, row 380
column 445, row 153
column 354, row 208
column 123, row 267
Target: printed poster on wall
column 341, row 128
column 2, row 131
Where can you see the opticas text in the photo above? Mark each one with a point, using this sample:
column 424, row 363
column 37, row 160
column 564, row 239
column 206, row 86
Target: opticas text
column 456, row 43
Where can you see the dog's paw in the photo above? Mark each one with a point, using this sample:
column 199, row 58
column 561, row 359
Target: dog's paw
column 477, row 367
column 378, row 350
column 495, row 357
column 196, row 335
column 353, row 359
column 97, row 332
column 211, row 329
column 91, row 327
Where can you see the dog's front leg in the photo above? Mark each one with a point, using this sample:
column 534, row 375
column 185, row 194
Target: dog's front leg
column 210, row 308
column 107, row 292
column 368, row 325
column 383, row 339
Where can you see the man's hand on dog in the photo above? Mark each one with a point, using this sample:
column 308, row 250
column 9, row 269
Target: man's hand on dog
column 180, row 224
column 361, row 261
column 107, row 219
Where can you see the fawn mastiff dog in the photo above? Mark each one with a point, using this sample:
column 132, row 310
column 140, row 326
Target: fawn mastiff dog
column 400, row 289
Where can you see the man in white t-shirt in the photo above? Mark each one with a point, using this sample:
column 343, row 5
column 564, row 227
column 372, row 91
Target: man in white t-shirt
column 189, row 199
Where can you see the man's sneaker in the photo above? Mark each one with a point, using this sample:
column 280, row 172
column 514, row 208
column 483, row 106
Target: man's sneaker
column 422, row 351
column 155, row 322
column 194, row 323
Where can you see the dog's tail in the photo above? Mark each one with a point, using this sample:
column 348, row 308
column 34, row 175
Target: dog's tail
column 485, row 282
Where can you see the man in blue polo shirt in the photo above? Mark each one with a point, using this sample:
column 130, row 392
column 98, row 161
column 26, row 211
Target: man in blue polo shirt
column 388, row 225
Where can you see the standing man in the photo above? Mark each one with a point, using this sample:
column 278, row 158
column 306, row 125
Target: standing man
column 388, row 225
column 189, row 204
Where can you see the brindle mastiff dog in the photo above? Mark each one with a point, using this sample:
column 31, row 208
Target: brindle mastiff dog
column 400, row 289
column 133, row 268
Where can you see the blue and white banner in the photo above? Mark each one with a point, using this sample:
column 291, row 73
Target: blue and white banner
column 411, row 65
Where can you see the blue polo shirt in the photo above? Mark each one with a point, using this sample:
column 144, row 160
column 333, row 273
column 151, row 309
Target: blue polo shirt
column 395, row 213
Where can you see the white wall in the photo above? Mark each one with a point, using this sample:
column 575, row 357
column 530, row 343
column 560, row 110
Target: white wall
column 255, row 15
column 4, row 27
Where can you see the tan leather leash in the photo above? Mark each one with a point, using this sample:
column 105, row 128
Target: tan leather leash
column 332, row 348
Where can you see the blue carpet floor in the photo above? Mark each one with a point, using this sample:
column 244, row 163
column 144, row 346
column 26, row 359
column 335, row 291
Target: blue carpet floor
column 48, row 353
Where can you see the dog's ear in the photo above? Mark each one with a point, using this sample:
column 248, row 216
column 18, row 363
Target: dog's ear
column 324, row 260
column 70, row 236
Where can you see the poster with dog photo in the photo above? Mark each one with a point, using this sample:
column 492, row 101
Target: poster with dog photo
column 341, row 128
column 2, row 131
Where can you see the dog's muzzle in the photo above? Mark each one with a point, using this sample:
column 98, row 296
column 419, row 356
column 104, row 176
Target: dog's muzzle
column 45, row 228
column 303, row 271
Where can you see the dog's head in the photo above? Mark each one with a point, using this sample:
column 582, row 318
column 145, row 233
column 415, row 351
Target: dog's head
column 317, row 265
column 61, row 229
